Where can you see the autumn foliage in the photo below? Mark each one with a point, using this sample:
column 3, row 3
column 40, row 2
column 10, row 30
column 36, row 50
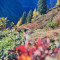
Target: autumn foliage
column 19, row 22
column 35, row 14
column 58, row 2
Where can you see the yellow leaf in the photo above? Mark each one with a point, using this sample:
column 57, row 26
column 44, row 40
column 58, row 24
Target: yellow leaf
column 58, row 2
column 35, row 14
column 19, row 22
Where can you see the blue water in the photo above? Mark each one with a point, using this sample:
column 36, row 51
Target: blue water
column 13, row 9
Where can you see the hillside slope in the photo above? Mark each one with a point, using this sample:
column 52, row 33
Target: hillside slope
column 52, row 34
column 38, row 24
column 42, row 20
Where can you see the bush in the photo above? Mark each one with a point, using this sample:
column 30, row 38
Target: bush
column 53, row 24
column 9, row 40
column 50, row 20
column 3, row 23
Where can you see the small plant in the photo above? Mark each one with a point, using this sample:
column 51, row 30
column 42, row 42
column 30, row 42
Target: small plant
column 58, row 40
column 53, row 24
column 53, row 46
column 50, row 20
column 3, row 23
column 12, row 24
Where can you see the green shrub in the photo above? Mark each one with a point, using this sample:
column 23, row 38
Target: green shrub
column 50, row 20
column 3, row 23
column 9, row 40
column 53, row 24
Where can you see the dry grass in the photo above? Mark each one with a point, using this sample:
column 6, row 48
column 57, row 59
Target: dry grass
column 41, row 21
column 42, row 33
